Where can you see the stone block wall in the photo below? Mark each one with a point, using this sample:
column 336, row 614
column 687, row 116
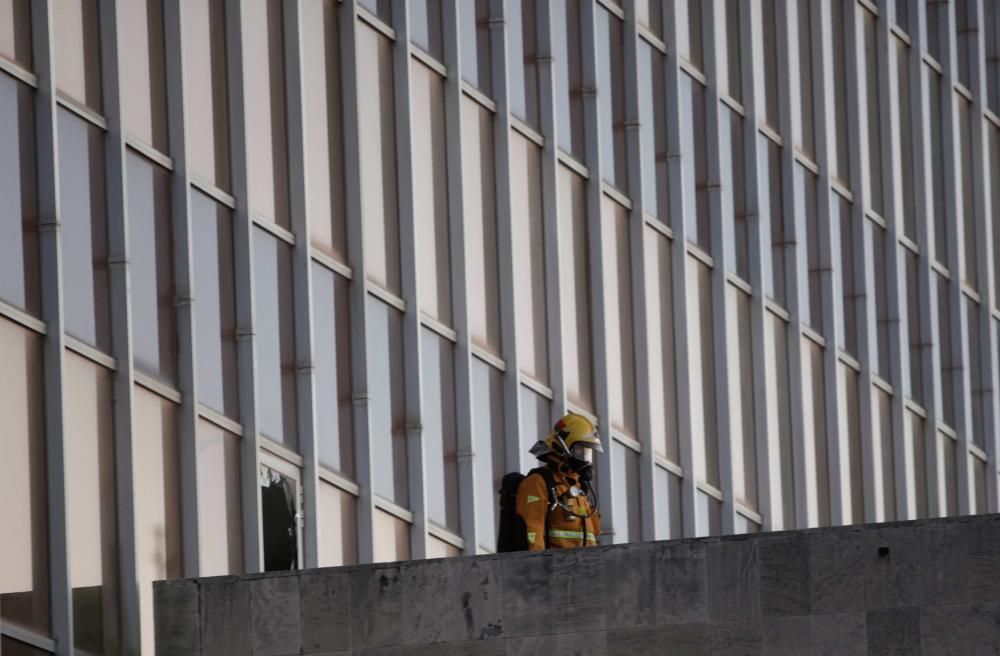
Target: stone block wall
column 926, row 587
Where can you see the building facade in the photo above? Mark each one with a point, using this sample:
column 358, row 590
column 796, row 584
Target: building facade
column 293, row 284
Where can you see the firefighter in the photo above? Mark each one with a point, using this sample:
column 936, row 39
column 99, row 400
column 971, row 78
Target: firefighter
column 556, row 501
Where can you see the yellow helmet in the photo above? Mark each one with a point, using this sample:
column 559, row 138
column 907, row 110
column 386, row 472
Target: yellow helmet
column 573, row 435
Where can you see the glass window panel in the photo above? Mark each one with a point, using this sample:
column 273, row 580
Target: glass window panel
column 768, row 182
column 741, row 390
column 479, row 198
column 78, row 56
column 324, row 132
column 267, row 134
column 611, row 95
column 85, row 226
column 950, row 474
column 474, row 34
column 206, row 84
column 667, row 505
column 815, row 270
column 440, row 549
column 938, row 95
column 338, row 511
column 807, row 139
column 220, row 519
column 981, row 395
column 966, row 167
column 734, row 47
column 776, row 377
column 24, row 569
column 275, row 338
column 702, row 235
column 991, row 15
column 440, row 440
column 734, row 204
column 381, row 8
column 332, row 344
column 388, row 402
column 430, row 192
column 15, row 32
column 875, row 173
column 19, row 272
column 522, row 69
column 157, row 494
column 377, row 135
column 661, row 354
column 937, row 28
column 913, row 325
column 704, row 427
column 814, row 412
column 883, row 437
column 534, row 416
column 490, row 462
column 840, row 13
column 392, row 538
column 151, row 275
column 916, row 434
column 906, row 138
column 709, row 515
column 848, row 380
column 966, row 33
column 620, row 334
column 653, row 127
column 695, row 53
column 144, row 71
column 649, row 14
column 949, row 360
column 745, row 526
column 568, row 55
column 880, row 257
column 529, row 257
column 770, row 40
column 575, row 281
column 978, row 468
column 215, row 308
column 90, row 498
column 903, row 13
column 851, row 285
column 625, row 502
column 425, row 26
column 994, row 186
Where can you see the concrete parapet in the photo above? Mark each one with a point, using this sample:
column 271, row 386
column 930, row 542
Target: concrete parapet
column 926, row 587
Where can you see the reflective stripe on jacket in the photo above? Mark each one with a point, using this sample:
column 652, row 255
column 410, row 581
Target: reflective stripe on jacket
column 565, row 529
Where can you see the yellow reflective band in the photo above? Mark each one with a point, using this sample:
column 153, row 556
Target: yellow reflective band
column 532, row 498
column 570, row 535
column 531, row 538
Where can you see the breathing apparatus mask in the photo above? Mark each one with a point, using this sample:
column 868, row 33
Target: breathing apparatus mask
column 581, row 460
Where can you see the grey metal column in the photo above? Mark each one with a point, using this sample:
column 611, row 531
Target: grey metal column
column 121, row 328
column 721, row 217
column 595, row 249
column 924, row 205
column 253, row 556
column 53, row 349
column 180, row 219
column 955, row 226
column 637, row 248
column 550, row 207
column 759, row 247
column 986, row 262
column 794, row 254
column 518, row 457
column 412, row 355
column 360, row 397
column 305, row 367
column 678, row 261
column 838, row 451
column 465, row 427
column 895, row 270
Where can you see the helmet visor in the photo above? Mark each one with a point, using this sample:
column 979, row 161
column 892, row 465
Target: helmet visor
column 582, row 451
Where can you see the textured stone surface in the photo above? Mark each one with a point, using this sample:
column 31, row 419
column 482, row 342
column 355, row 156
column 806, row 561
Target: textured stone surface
column 927, row 587
column 176, row 617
